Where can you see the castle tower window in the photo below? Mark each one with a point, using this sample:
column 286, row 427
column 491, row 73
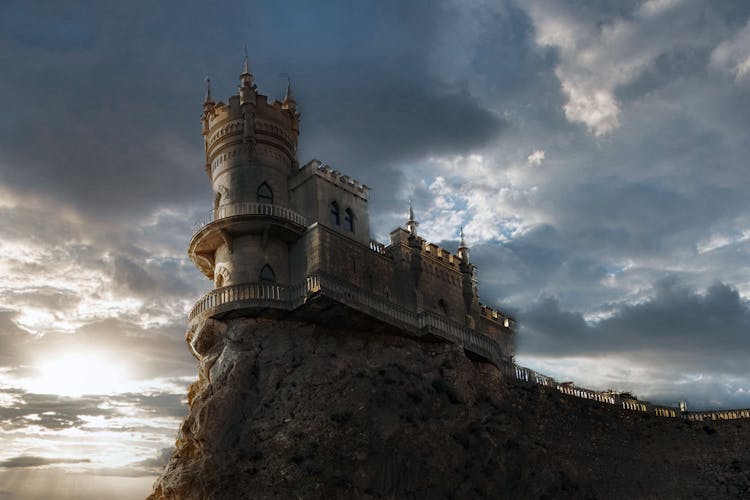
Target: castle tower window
column 267, row 275
column 334, row 214
column 217, row 201
column 349, row 220
column 443, row 307
column 265, row 195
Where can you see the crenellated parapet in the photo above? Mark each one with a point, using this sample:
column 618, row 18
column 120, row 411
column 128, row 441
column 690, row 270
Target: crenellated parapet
column 320, row 169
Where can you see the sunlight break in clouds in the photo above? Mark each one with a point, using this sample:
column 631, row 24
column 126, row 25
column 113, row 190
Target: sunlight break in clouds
column 76, row 373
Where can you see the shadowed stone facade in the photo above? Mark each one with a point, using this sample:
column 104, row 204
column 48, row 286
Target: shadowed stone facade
column 280, row 235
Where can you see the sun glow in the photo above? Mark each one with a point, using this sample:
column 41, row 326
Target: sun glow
column 79, row 373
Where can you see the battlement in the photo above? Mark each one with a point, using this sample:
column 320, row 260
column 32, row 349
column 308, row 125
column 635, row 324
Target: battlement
column 488, row 313
column 322, row 170
column 440, row 254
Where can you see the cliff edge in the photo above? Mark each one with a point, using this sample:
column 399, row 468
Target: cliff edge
column 294, row 410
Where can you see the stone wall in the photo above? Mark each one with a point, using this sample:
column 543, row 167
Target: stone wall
column 293, row 410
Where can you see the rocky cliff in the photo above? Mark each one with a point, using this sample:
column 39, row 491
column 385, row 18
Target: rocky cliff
column 293, row 410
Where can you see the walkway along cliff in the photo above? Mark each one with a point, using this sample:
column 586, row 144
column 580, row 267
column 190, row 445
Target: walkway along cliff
column 334, row 366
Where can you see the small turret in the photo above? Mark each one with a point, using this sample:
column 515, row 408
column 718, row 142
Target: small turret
column 208, row 107
column 246, row 78
column 412, row 224
column 290, row 102
column 209, row 100
column 463, row 250
column 247, row 104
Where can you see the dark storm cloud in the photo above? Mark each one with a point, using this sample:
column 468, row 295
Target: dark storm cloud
column 115, row 98
column 690, row 330
column 33, row 461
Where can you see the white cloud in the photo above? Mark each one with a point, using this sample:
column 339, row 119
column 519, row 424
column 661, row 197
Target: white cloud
column 733, row 55
column 657, row 7
column 597, row 55
column 536, row 157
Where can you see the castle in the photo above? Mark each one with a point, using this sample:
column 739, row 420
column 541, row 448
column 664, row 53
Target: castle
column 295, row 241
column 291, row 242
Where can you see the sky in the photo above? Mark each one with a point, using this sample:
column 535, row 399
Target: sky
column 595, row 153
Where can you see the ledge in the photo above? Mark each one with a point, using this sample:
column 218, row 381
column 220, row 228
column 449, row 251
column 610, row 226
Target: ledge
column 257, row 299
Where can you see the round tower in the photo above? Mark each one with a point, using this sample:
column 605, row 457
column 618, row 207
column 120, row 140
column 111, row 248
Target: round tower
column 251, row 149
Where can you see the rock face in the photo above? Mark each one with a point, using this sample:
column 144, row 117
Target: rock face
column 293, row 410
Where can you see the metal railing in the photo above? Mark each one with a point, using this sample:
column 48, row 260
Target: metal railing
column 527, row 375
column 377, row 247
column 250, row 208
column 293, row 296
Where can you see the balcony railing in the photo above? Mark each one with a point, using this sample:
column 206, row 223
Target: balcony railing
column 291, row 297
column 250, row 208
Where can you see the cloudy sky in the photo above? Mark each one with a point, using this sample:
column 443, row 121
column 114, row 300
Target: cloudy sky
column 596, row 153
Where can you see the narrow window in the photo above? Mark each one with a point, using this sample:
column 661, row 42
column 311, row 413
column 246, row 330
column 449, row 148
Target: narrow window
column 349, row 220
column 443, row 307
column 334, row 215
column 267, row 275
column 265, row 195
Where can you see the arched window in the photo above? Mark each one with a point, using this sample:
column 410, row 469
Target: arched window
column 267, row 275
column 443, row 307
column 349, row 220
column 334, row 215
column 265, row 195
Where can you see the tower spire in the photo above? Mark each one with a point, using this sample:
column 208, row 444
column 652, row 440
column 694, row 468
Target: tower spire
column 245, row 65
column 412, row 223
column 463, row 250
column 246, row 77
column 289, row 101
column 209, row 99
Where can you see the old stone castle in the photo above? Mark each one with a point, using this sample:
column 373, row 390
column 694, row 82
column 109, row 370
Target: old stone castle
column 290, row 242
column 288, row 239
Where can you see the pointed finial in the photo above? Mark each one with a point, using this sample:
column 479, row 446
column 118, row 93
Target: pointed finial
column 245, row 65
column 412, row 223
column 246, row 77
column 463, row 250
column 209, row 99
column 289, row 97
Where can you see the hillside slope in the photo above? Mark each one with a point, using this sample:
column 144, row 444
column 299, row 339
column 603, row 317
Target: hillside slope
column 293, row 410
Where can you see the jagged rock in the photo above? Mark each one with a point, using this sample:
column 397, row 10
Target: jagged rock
column 294, row 410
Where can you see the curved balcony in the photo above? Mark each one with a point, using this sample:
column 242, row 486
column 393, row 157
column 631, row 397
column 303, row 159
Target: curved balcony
column 220, row 226
column 249, row 208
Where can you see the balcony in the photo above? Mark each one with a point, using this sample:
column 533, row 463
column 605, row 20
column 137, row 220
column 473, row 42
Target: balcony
column 225, row 223
column 259, row 298
column 252, row 209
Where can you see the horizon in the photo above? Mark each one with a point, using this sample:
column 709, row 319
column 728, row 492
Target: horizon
column 595, row 157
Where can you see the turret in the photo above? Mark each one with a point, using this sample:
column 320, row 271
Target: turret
column 463, row 250
column 247, row 105
column 411, row 224
column 251, row 151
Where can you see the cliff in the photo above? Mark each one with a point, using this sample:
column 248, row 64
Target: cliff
column 293, row 410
